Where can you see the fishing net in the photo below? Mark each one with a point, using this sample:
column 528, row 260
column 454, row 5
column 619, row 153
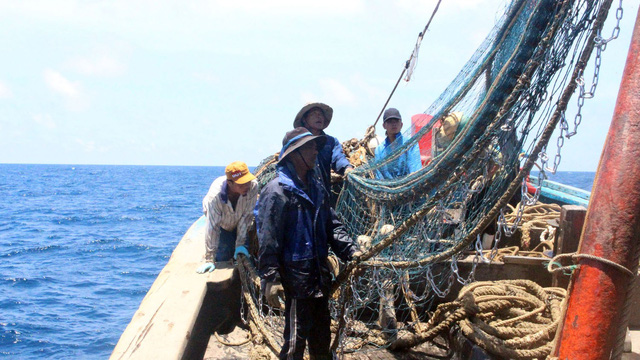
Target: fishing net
column 477, row 142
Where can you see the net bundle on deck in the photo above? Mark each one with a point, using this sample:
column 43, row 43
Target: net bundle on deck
column 505, row 102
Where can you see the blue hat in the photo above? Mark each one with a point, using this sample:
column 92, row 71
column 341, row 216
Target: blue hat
column 296, row 138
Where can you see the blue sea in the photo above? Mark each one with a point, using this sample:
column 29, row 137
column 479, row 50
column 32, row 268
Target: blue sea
column 80, row 245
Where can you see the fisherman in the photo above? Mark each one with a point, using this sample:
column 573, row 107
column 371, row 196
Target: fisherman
column 406, row 163
column 228, row 210
column 296, row 226
column 316, row 117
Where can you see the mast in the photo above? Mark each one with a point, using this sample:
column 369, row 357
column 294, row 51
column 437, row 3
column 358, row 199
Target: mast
column 594, row 315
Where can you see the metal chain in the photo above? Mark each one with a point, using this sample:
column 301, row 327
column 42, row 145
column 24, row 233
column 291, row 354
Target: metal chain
column 479, row 252
column 600, row 45
column 243, row 315
column 434, row 287
column 526, row 200
column 456, row 272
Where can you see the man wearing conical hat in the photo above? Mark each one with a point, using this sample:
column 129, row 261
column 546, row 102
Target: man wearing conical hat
column 316, row 117
column 228, row 208
column 296, row 226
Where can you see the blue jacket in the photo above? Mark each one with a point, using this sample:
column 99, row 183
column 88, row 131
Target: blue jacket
column 330, row 156
column 295, row 229
column 405, row 164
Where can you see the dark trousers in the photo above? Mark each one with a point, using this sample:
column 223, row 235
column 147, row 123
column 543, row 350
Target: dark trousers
column 306, row 320
column 226, row 245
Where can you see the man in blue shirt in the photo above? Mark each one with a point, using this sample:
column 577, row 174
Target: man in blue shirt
column 408, row 162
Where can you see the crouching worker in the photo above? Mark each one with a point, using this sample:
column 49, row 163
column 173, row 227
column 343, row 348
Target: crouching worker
column 296, row 226
column 228, row 208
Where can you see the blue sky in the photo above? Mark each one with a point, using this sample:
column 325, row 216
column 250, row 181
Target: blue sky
column 210, row 82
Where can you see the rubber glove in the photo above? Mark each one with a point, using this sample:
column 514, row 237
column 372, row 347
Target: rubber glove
column 240, row 250
column 356, row 255
column 333, row 265
column 206, row 267
column 272, row 292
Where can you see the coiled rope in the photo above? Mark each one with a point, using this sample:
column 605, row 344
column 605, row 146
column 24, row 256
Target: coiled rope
column 509, row 318
column 534, row 216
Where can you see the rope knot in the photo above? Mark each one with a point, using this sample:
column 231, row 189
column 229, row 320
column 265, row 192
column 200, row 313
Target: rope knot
column 468, row 302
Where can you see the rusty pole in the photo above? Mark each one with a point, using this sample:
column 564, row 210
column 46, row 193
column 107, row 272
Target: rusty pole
column 598, row 290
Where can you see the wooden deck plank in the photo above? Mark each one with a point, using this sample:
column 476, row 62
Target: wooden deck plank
column 162, row 325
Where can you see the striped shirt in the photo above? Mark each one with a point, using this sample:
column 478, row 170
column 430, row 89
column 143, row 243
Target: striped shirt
column 220, row 214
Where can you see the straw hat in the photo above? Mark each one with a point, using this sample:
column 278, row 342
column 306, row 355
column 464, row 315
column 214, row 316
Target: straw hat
column 326, row 109
column 450, row 125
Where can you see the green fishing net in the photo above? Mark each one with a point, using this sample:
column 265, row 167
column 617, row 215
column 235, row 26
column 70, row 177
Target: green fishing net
column 477, row 141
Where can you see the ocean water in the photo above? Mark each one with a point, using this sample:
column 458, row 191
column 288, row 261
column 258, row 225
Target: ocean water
column 81, row 245
column 580, row 179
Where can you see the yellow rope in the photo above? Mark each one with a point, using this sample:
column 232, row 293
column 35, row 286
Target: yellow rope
column 224, row 342
column 509, row 318
column 534, row 216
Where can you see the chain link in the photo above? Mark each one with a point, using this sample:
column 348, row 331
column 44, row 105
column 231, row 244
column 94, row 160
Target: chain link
column 600, row 46
column 526, row 200
column 436, row 288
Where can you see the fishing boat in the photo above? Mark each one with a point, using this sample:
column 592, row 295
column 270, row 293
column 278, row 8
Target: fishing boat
column 184, row 313
column 430, row 282
column 555, row 192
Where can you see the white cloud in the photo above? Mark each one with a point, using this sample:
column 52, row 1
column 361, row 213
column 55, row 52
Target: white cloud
column 375, row 94
column 307, row 97
column 102, row 65
column 336, row 92
column 44, row 120
column 422, row 7
column 333, row 7
column 71, row 91
column 5, row 92
column 207, row 77
column 87, row 145
column 150, row 12
column 61, row 85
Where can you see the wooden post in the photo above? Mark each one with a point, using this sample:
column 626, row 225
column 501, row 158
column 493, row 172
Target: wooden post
column 571, row 223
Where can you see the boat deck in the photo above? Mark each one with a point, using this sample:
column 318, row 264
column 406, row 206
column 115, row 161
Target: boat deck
column 632, row 346
column 183, row 309
column 216, row 349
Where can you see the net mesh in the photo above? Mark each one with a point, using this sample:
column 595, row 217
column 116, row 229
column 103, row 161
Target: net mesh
column 504, row 103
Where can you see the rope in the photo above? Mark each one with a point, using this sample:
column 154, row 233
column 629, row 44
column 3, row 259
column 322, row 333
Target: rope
column 499, row 254
column 555, row 265
column 510, row 318
column 224, row 342
column 534, row 216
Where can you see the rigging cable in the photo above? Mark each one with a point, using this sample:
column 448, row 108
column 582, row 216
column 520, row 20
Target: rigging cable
column 411, row 63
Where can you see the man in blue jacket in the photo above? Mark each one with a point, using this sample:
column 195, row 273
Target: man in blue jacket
column 296, row 226
column 316, row 117
column 406, row 163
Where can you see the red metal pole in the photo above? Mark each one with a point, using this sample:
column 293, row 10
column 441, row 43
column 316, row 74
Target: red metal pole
column 593, row 316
